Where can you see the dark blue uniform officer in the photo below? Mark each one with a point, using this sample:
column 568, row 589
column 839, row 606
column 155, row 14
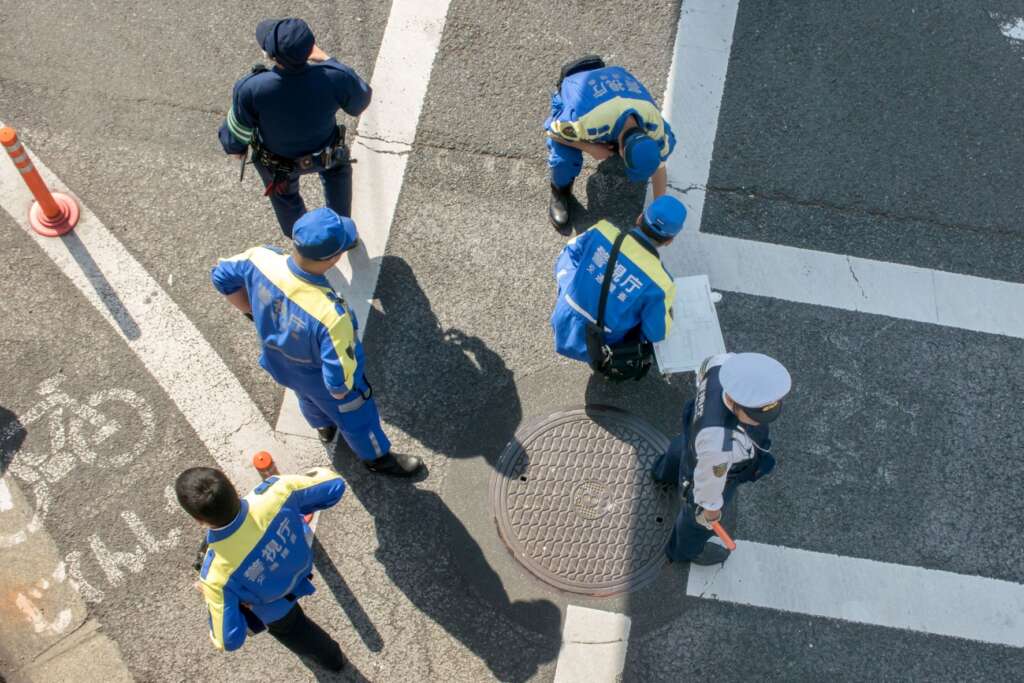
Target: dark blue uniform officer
column 309, row 336
column 259, row 563
column 603, row 110
column 642, row 291
column 724, row 443
column 288, row 113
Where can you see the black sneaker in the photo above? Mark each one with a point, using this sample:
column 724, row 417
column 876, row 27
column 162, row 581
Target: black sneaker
column 395, row 464
column 712, row 554
column 327, row 434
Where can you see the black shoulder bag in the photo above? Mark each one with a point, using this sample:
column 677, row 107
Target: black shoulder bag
column 630, row 358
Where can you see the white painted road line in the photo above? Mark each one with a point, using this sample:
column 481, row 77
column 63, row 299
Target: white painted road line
column 594, row 646
column 867, row 592
column 692, row 103
column 152, row 325
column 382, row 145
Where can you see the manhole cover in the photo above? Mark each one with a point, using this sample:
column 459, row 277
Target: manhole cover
column 575, row 502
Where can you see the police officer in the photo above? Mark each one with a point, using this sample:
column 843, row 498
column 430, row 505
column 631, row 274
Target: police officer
column 309, row 334
column 603, row 110
column 724, row 443
column 287, row 114
column 258, row 563
column 639, row 300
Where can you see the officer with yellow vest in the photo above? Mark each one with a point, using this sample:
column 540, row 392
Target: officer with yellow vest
column 603, row 110
column 309, row 336
column 641, row 292
column 258, row 563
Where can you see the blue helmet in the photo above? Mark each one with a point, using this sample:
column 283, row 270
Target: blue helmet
column 665, row 216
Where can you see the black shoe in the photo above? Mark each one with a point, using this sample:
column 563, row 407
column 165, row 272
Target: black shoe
column 558, row 210
column 712, row 554
column 395, row 464
column 336, row 662
column 327, row 434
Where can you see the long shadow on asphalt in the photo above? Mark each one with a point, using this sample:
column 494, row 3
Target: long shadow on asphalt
column 343, row 596
column 106, row 293
column 609, row 196
column 425, row 550
column 12, row 435
column 443, row 377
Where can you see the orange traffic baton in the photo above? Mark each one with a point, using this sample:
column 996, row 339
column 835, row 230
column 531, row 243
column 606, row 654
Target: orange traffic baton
column 265, row 465
column 724, row 535
column 53, row 213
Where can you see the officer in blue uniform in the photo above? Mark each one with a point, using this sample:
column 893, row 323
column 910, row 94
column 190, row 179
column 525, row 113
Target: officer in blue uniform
column 724, row 443
column 287, row 114
column 603, row 110
column 642, row 291
column 309, row 334
column 258, row 563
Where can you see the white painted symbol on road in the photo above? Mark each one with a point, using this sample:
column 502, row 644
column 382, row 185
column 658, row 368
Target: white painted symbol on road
column 76, row 430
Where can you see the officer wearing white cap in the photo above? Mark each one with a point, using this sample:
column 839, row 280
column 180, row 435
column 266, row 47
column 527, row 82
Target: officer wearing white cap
column 724, row 443
column 638, row 298
column 309, row 334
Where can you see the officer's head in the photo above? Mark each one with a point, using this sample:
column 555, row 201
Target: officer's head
column 641, row 154
column 663, row 219
column 207, row 495
column 755, row 385
column 321, row 236
column 288, row 42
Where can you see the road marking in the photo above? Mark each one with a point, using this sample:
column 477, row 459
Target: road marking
column 593, row 646
column 1011, row 27
column 382, row 145
column 692, row 102
column 867, row 592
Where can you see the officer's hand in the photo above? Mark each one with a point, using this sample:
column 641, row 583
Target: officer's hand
column 239, row 157
column 318, row 55
column 600, row 151
column 706, row 517
column 712, row 515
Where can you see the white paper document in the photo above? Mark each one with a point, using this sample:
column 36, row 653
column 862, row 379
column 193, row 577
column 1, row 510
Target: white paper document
column 695, row 331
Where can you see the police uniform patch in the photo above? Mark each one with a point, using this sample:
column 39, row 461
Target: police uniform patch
column 720, row 470
column 568, row 131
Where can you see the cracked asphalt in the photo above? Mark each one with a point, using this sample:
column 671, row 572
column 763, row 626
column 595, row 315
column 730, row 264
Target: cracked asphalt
column 878, row 130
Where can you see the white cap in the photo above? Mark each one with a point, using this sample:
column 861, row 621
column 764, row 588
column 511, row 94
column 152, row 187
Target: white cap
column 754, row 379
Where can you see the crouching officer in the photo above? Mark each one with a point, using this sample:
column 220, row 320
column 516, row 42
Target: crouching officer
column 603, row 110
column 309, row 335
column 258, row 563
column 595, row 315
column 724, row 444
column 287, row 115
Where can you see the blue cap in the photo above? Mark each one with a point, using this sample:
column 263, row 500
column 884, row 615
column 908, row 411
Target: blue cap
column 665, row 216
column 642, row 155
column 288, row 41
column 322, row 234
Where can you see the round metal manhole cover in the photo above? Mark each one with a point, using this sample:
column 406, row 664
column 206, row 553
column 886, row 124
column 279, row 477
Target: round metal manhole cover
column 575, row 502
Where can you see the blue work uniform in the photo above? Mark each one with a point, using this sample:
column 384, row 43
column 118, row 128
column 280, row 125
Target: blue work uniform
column 713, row 455
column 309, row 344
column 262, row 557
column 293, row 112
column 639, row 299
column 592, row 106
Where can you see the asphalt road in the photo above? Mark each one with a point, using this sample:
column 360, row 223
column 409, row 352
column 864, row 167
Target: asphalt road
column 883, row 130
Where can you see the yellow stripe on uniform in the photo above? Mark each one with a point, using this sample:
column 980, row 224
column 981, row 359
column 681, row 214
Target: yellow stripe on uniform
column 314, row 300
column 607, row 114
column 645, row 261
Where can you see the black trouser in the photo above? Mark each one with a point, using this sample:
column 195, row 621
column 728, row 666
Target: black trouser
column 304, row 637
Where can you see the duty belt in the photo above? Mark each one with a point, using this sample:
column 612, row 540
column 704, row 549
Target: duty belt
column 281, row 167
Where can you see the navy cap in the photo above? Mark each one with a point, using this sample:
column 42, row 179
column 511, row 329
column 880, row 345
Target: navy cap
column 321, row 234
column 757, row 382
column 665, row 216
column 288, row 41
column 642, row 155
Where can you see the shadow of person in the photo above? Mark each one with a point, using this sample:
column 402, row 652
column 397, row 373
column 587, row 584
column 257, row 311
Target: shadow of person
column 346, row 599
column 12, row 435
column 443, row 387
column 610, row 196
column 656, row 397
column 430, row 556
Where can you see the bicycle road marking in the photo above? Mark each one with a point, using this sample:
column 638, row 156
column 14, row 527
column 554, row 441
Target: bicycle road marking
column 693, row 98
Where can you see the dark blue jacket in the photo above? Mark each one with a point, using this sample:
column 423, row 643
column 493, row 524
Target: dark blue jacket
column 293, row 109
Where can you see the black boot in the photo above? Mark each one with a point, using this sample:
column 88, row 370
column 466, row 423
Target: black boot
column 712, row 554
column 558, row 209
column 395, row 464
column 327, row 434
